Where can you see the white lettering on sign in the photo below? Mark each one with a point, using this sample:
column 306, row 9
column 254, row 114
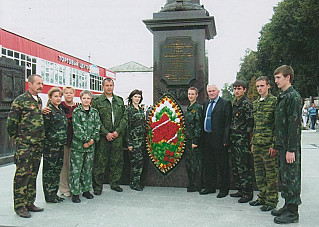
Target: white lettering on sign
column 73, row 62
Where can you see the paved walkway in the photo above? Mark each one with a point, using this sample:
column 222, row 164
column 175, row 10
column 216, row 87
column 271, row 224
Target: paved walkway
column 157, row 206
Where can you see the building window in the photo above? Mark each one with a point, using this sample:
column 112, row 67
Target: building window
column 96, row 82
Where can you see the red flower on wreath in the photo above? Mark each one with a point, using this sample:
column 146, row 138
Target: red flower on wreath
column 165, row 129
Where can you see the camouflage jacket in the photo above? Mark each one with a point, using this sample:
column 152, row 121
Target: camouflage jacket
column 242, row 119
column 86, row 126
column 103, row 105
column 136, row 129
column 55, row 125
column 288, row 120
column 25, row 121
column 264, row 120
column 193, row 119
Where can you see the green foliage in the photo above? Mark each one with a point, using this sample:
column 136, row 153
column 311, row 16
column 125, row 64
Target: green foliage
column 291, row 38
column 252, row 93
column 248, row 67
column 227, row 91
column 169, row 113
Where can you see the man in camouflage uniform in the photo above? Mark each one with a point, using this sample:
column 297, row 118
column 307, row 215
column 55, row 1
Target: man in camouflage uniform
column 193, row 120
column 241, row 130
column 109, row 150
column 136, row 136
column 287, row 142
column 25, row 126
column 265, row 159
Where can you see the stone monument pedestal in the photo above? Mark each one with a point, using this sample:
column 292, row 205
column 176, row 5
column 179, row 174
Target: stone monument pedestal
column 179, row 52
column 179, row 62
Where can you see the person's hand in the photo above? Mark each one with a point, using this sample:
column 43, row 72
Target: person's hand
column 290, row 157
column 109, row 136
column 91, row 142
column 46, row 110
column 272, row 152
column 86, row 145
column 115, row 135
column 130, row 148
column 194, row 145
column 252, row 148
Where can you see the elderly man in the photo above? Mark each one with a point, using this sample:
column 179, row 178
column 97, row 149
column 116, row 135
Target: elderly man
column 25, row 125
column 217, row 117
column 109, row 150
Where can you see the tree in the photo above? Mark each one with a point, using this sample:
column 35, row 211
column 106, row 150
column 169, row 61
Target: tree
column 248, row 67
column 292, row 38
column 252, row 93
column 227, row 91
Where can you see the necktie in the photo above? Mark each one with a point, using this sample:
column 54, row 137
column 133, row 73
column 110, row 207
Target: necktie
column 208, row 119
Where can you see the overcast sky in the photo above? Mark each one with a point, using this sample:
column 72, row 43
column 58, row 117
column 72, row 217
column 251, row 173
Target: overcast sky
column 113, row 32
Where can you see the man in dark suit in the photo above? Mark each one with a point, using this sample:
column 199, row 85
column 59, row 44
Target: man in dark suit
column 215, row 140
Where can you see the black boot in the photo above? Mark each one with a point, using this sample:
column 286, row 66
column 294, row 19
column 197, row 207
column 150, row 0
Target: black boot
column 76, row 199
column 88, row 195
column 280, row 211
column 290, row 216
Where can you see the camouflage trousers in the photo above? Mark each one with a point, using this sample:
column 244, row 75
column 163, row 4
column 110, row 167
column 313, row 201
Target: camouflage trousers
column 52, row 165
column 290, row 177
column 266, row 173
column 27, row 159
column 137, row 163
column 241, row 160
column 81, row 172
column 108, row 154
column 193, row 162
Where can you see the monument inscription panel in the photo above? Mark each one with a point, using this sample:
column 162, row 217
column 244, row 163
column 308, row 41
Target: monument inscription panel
column 178, row 60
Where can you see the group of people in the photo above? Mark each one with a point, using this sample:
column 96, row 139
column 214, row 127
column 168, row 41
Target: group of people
column 309, row 113
column 78, row 142
column 263, row 136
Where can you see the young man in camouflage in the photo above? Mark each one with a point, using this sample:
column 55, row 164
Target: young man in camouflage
column 193, row 120
column 265, row 159
column 86, row 127
column 25, row 126
column 136, row 136
column 241, row 131
column 109, row 150
column 287, row 142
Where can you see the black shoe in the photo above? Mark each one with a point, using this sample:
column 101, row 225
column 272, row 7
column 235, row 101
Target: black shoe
column 279, row 212
column 97, row 192
column 192, row 189
column 76, row 199
column 23, row 212
column 88, row 195
column 236, row 194
column 34, row 208
column 207, row 191
column 245, row 198
column 137, row 188
column 59, row 199
column 117, row 188
column 222, row 194
column 52, row 200
column 256, row 203
column 267, row 208
column 287, row 217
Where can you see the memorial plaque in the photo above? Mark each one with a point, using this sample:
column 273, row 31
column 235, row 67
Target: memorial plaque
column 178, row 61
